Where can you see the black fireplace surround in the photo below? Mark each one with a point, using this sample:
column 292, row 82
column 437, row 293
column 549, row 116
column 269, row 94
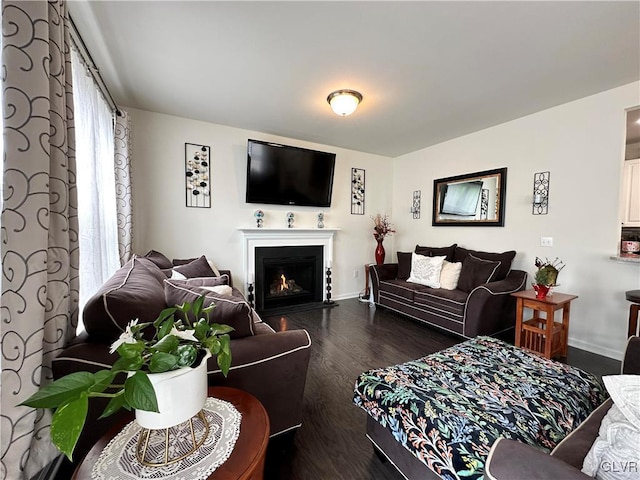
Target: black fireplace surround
column 288, row 278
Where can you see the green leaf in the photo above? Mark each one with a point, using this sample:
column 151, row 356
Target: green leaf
column 139, row 393
column 164, row 314
column 213, row 345
column 186, row 355
column 102, row 379
column 197, row 307
column 165, row 328
column 67, row 424
column 224, row 362
column 61, row 391
column 167, row 344
column 201, row 329
column 127, row 364
column 131, row 350
column 115, row 404
column 209, row 309
column 219, row 329
column 162, row 362
column 225, row 343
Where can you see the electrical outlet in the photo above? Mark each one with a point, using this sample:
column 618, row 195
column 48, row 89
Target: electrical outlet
column 355, row 274
column 546, row 241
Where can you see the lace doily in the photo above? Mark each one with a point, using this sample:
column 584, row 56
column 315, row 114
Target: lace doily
column 118, row 459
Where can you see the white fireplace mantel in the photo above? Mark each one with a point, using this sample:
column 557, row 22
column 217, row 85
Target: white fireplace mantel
column 281, row 237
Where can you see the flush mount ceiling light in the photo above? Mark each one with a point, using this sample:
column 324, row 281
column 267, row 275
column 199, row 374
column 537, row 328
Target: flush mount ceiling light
column 344, row 102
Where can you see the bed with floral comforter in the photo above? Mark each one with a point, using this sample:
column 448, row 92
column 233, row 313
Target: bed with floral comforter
column 448, row 408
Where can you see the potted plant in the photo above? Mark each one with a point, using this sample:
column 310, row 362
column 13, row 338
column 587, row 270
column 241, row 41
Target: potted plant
column 179, row 342
column 546, row 276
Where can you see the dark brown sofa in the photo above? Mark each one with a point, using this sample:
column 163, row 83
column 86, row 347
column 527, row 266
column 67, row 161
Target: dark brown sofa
column 511, row 460
column 480, row 305
column 270, row 365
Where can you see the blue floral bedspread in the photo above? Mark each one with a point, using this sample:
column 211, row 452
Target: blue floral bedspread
column 448, row 408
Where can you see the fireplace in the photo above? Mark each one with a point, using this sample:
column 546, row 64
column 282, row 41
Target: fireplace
column 288, row 277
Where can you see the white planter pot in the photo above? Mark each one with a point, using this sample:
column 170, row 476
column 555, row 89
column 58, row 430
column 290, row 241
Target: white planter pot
column 181, row 394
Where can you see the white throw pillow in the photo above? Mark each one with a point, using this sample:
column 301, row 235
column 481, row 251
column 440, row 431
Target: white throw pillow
column 425, row 270
column 220, row 289
column 177, row 275
column 450, row 274
column 615, row 454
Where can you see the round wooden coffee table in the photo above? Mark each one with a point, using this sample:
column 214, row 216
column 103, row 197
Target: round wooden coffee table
column 247, row 459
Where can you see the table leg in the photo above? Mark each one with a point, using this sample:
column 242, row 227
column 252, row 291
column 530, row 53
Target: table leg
column 633, row 319
column 548, row 335
column 565, row 327
column 519, row 313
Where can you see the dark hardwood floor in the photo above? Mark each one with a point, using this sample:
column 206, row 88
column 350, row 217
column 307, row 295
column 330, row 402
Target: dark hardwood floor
column 348, row 340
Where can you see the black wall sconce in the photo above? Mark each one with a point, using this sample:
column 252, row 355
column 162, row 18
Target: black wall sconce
column 541, row 193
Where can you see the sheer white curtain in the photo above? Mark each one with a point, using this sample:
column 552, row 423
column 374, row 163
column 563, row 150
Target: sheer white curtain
column 97, row 217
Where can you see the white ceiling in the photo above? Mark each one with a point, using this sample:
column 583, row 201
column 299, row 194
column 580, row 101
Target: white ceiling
column 428, row 71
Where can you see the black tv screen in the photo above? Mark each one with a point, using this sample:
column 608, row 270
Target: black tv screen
column 284, row 175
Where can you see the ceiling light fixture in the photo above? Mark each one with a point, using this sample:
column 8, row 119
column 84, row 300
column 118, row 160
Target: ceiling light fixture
column 344, row 102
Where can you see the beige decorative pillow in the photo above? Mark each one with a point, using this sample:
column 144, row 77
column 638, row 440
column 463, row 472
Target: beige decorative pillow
column 615, row 454
column 426, row 270
column 220, row 289
column 450, row 274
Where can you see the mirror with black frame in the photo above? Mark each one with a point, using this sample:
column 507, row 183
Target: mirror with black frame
column 475, row 199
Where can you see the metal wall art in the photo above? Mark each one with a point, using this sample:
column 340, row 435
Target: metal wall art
column 357, row 191
column 484, row 204
column 197, row 170
column 541, row 193
column 415, row 207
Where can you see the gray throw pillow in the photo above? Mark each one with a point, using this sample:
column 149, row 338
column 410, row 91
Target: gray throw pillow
column 232, row 310
column 197, row 268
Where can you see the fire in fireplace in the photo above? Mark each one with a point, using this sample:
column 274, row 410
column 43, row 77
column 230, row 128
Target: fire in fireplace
column 288, row 277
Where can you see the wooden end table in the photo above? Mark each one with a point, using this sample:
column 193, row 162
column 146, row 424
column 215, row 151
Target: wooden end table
column 247, row 459
column 543, row 335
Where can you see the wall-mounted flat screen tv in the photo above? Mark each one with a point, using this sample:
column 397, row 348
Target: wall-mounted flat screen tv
column 461, row 198
column 284, row 175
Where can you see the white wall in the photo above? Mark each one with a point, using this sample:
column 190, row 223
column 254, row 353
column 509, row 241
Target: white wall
column 582, row 144
column 163, row 222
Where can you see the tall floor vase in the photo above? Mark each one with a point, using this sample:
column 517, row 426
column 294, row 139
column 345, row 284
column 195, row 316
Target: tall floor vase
column 380, row 253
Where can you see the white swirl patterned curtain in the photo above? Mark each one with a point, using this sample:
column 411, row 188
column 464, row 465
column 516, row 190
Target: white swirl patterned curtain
column 123, row 185
column 39, row 242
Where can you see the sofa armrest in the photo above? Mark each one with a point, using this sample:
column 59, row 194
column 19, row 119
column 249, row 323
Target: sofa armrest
column 631, row 361
column 273, row 368
column 490, row 308
column 512, row 460
column 379, row 273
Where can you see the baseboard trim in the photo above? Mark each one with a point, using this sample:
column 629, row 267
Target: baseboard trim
column 600, row 350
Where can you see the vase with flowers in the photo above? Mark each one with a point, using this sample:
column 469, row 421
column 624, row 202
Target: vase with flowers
column 382, row 227
column 183, row 340
column 546, row 276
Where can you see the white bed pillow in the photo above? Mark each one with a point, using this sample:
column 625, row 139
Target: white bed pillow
column 615, row 454
column 426, row 270
column 220, row 289
column 450, row 274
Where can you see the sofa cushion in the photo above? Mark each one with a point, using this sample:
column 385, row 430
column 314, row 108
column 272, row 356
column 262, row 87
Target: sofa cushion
column 134, row 291
column 232, row 310
column 404, row 265
column 476, row 271
column 448, row 252
column 426, row 270
column 183, row 261
column 505, row 259
column 450, row 274
column 159, row 259
column 398, row 288
column 447, row 304
column 196, row 268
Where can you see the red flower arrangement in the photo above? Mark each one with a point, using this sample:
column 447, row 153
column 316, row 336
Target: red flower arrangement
column 382, row 226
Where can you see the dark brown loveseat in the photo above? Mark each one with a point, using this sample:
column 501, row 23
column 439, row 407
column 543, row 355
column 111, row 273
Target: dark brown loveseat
column 270, row 365
column 480, row 305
